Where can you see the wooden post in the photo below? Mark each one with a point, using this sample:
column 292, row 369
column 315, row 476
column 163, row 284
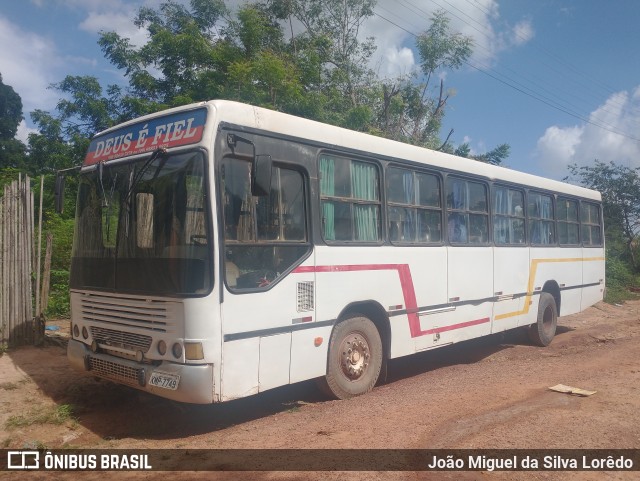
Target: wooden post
column 46, row 276
column 3, row 300
column 38, row 312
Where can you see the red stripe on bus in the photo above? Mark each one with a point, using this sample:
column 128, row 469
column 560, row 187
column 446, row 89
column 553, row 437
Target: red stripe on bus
column 457, row 326
column 408, row 292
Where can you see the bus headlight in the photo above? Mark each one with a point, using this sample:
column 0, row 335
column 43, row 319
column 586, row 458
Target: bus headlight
column 193, row 351
column 76, row 331
column 162, row 348
column 176, row 349
column 85, row 332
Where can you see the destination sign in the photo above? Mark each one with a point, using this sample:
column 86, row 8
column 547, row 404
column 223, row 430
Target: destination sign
column 183, row 128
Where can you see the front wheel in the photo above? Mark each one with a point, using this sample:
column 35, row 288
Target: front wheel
column 543, row 331
column 355, row 358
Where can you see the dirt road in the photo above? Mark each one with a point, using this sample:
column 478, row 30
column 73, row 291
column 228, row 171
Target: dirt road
column 488, row 393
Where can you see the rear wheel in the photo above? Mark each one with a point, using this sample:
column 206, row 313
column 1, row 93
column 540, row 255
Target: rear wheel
column 543, row 331
column 355, row 358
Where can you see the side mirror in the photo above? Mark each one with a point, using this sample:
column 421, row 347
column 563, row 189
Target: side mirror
column 59, row 193
column 261, row 175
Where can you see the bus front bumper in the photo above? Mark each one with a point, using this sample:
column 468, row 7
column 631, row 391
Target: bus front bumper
column 195, row 382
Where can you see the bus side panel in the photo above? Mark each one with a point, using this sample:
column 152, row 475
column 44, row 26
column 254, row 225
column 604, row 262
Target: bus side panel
column 510, row 278
column 309, row 360
column 470, row 289
column 563, row 266
column 240, row 368
column 593, row 275
column 274, row 365
column 257, row 326
column 351, row 274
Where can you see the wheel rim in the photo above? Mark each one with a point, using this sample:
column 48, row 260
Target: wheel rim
column 354, row 356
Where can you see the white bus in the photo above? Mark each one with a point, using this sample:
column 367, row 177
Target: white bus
column 221, row 250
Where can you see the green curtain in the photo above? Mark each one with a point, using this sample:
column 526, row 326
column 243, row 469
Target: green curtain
column 364, row 186
column 366, row 222
column 364, row 181
column 327, row 187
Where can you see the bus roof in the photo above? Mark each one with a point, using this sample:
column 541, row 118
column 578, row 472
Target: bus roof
column 337, row 137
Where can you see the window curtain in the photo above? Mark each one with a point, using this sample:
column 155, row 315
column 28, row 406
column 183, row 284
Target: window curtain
column 458, row 191
column 502, row 224
column 542, row 230
column 364, row 183
column 546, row 212
column 457, row 221
column 409, row 225
column 327, row 187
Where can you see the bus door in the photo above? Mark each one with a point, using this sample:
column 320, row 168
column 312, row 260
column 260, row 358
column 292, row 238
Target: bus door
column 269, row 280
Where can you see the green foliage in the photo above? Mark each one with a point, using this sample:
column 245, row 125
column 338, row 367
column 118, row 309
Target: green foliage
column 439, row 48
column 12, row 151
column 619, row 278
column 10, row 111
column 202, row 50
column 42, row 415
column 620, row 189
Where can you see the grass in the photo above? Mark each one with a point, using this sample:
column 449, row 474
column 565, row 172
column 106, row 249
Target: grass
column 619, row 294
column 9, row 386
column 45, row 415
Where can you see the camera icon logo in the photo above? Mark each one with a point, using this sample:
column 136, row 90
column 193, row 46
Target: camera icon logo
column 23, row 460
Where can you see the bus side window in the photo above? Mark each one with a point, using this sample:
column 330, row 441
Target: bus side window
column 591, row 224
column 508, row 216
column 541, row 219
column 414, row 212
column 266, row 235
column 468, row 216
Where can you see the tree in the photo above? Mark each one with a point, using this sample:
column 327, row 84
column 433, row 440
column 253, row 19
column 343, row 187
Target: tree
column 410, row 113
column 620, row 189
column 322, row 71
column 12, row 151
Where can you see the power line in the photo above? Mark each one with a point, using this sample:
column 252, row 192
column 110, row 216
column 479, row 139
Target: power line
column 524, row 90
column 562, row 61
column 528, row 79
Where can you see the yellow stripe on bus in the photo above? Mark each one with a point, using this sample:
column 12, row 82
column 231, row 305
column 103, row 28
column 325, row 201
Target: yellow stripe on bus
column 532, row 278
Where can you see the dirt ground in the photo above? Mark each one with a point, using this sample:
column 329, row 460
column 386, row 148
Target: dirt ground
column 488, row 393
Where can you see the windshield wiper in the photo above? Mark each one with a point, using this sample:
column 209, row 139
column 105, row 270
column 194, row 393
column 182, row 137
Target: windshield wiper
column 156, row 153
column 124, row 205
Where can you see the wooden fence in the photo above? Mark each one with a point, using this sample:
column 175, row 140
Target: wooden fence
column 17, row 323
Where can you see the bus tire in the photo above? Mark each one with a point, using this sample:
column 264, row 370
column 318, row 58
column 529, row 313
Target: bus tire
column 543, row 331
column 354, row 360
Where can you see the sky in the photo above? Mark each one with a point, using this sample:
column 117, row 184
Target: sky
column 557, row 80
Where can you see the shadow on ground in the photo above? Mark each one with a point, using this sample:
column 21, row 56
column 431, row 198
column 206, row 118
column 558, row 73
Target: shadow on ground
column 112, row 411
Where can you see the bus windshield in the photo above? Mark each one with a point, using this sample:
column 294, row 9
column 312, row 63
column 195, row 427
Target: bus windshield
column 141, row 227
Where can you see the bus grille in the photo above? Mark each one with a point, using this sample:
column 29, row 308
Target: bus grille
column 124, row 340
column 121, row 313
column 116, row 372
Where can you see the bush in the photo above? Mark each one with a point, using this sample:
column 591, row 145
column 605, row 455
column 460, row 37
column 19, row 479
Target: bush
column 619, row 279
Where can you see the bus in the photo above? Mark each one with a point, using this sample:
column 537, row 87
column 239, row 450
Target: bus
column 221, row 250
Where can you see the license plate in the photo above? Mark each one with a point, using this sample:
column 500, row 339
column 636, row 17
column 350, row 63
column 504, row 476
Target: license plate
column 164, row 380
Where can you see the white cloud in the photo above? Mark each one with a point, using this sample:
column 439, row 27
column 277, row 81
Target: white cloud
column 120, row 22
column 522, row 32
column 584, row 143
column 24, row 131
column 397, row 61
column 479, row 20
column 27, row 65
